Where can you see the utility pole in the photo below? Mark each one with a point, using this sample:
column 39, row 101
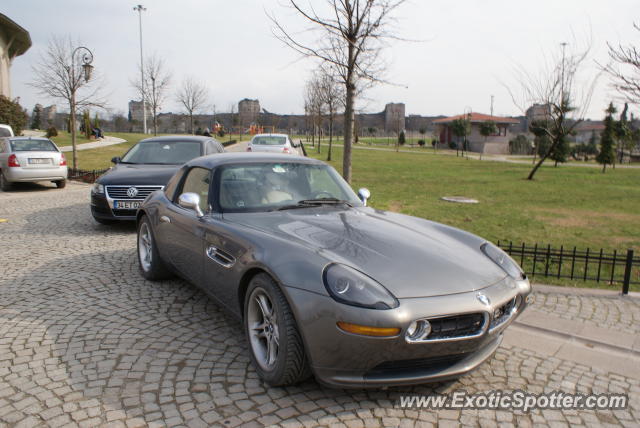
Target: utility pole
column 491, row 105
column 139, row 8
column 564, row 45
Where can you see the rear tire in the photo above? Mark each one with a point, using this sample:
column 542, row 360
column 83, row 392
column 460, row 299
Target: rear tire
column 5, row 185
column 61, row 183
column 269, row 321
column 151, row 265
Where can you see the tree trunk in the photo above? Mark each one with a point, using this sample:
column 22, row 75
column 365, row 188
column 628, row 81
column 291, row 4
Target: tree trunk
column 604, row 167
column 330, row 136
column 348, row 115
column 542, row 159
column 191, row 122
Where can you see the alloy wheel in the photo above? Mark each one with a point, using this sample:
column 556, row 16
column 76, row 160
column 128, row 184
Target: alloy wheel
column 145, row 247
column 264, row 335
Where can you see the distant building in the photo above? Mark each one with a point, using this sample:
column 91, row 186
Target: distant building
column 14, row 41
column 135, row 114
column 584, row 130
column 394, row 116
column 497, row 143
column 248, row 112
column 48, row 115
column 537, row 112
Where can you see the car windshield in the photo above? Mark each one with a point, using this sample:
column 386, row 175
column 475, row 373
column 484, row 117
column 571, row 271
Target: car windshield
column 271, row 186
column 269, row 140
column 32, row 146
column 4, row 132
column 163, row 152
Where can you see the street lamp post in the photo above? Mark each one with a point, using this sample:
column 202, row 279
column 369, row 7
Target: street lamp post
column 87, row 68
column 139, row 8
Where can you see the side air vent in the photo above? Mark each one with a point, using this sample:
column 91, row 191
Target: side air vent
column 221, row 257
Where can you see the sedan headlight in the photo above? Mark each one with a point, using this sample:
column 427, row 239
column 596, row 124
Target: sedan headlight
column 97, row 188
column 352, row 287
column 503, row 260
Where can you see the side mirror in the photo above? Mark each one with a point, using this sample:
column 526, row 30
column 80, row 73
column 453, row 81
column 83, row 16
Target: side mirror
column 115, row 159
column 364, row 194
column 191, row 201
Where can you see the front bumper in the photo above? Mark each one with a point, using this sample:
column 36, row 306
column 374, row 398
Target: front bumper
column 102, row 208
column 343, row 359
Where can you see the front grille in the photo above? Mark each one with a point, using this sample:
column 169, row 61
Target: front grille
column 438, row 363
column 120, row 192
column 456, row 326
column 504, row 313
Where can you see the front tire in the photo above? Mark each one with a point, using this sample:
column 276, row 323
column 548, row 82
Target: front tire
column 151, row 266
column 275, row 344
column 5, row 185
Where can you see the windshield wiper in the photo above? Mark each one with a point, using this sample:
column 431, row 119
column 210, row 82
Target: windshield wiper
column 306, row 203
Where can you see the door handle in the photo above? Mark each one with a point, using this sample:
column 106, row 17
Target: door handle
column 165, row 219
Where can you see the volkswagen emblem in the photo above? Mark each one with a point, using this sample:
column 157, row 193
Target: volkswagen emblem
column 483, row 299
column 132, row 192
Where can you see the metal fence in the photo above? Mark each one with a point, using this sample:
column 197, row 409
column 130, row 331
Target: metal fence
column 611, row 267
column 87, row 176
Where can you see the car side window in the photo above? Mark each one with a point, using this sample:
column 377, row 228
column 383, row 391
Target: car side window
column 172, row 185
column 198, row 181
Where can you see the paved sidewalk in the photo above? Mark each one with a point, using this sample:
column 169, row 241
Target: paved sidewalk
column 598, row 327
column 104, row 142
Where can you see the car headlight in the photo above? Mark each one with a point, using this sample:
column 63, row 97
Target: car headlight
column 503, row 260
column 352, row 287
column 97, row 188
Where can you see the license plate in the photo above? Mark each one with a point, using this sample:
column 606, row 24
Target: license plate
column 39, row 161
column 126, row 205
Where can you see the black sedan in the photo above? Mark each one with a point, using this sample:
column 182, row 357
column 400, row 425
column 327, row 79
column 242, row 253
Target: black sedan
column 146, row 167
column 323, row 283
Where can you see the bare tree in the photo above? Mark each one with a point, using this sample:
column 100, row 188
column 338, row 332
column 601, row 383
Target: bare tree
column 332, row 95
column 315, row 106
column 154, row 88
column 351, row 36
column 193, row 96
column 624, row 69
column 59, row 76
column 560, row 86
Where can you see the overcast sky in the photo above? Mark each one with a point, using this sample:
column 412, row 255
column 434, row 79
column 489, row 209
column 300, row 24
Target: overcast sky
column 468, row 48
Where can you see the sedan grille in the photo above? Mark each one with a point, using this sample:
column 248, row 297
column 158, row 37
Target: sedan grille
column 122, row 192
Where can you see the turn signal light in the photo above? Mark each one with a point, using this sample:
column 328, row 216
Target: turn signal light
column 63, row 160
column 367, row 330
column 286, row 150
column 12, row 161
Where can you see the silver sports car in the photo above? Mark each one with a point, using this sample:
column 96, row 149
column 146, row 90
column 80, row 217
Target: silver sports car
column 323, row 284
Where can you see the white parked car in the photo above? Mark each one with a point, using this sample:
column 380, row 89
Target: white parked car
column 6, row 131
column 24, row 159
column 274, row 143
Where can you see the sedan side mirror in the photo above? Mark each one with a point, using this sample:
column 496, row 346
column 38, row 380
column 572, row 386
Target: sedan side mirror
column 364, row 194
column 115, row 159
column 191, row 201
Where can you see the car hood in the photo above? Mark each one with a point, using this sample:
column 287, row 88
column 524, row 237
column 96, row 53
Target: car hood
column 411, row 257
column 138, row 174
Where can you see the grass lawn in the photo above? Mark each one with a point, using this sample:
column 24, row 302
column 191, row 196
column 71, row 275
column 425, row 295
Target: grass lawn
column 64, row 139
column 563, row 206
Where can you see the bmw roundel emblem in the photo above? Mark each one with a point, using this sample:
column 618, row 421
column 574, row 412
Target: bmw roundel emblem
column 483, row 299
column 132, row 192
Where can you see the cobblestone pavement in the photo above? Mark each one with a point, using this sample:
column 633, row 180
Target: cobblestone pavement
column 85, row 341
column 615, row 313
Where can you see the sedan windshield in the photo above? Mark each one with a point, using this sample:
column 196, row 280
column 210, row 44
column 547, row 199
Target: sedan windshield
column 277, row 186
column 163, row 152
column 269, row 140
column 32, row 146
